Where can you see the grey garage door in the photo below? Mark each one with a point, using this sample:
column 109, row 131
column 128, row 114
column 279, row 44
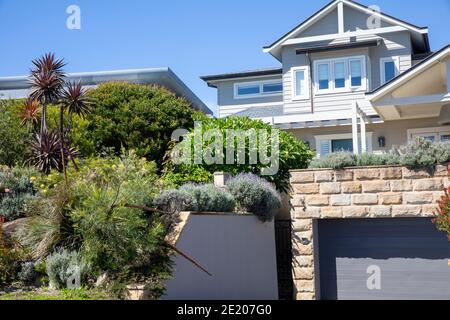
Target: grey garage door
column 383, row 259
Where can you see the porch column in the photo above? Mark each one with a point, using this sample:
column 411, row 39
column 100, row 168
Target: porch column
column 355, row 128
column 363, row 135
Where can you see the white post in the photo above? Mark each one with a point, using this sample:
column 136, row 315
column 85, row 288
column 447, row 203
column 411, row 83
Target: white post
column 448, row 75
column 340, row 17
column 363, row 135
column 355, row 128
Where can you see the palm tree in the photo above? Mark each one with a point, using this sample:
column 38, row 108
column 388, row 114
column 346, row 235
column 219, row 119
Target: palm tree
column 47, row 80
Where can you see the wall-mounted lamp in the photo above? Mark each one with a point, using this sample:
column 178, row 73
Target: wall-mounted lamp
column 381, row 142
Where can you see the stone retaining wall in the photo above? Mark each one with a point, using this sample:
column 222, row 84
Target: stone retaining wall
column 374, row 192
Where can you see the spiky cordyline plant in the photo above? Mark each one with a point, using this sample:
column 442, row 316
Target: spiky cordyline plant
column 47, row 80
column 30, row 113
column 76, row 100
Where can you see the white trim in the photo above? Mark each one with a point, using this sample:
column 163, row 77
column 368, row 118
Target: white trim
column 331, row 84
column 436, row 131
column 249, row 105
column 306, row 94
column 406, row 101
column 330, row 7
column 261, row 92
column 396, row 60
column 341, row 136
column 341, row 17
column 246, row 78
column 407, row 76
column 345, row 35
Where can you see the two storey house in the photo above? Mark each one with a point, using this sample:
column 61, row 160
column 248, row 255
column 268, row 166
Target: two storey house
column 351, row 78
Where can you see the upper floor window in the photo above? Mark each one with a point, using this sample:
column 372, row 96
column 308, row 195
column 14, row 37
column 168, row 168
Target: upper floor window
column 389, row 69
column 300, row 89
column 340, row 75
column 257, row 89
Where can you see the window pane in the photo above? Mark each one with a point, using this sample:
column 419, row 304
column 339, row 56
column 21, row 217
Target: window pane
column 323, row 76
column 355, row 73
column 272, row 87
column 299, row 82
column 389, row 70
column 445, row 138
column 339, row 75
column 246, row 90
column 342, row 145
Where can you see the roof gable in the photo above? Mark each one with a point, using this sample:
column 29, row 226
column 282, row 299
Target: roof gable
column 339, row 18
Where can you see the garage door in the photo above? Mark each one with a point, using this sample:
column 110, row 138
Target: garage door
column 383, row 259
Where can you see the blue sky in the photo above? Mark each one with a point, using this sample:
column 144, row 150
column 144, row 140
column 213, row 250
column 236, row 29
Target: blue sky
column 194, row 38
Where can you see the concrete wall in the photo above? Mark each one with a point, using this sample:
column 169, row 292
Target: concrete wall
column 354, row 193
column 238, row 250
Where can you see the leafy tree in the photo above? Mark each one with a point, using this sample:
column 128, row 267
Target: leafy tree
column 132, row 116
column 293, row 153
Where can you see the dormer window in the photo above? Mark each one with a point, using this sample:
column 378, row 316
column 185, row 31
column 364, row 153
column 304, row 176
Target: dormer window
column 389, row 69
column 258, row 89
column 340, row 75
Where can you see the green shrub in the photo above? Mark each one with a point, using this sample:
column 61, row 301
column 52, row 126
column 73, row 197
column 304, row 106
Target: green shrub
column 422, row 152
column 63, row 265
column 255, row 195
column 14, row 137
column 27, row 273
column 20, row 188
column 337, row 160
column 199, row 198
column 131, row 116
column 293, row 153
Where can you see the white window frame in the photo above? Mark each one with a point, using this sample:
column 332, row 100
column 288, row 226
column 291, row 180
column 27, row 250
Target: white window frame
column 341, row 136
column 305, row 95
column 437, row 132
column 348, row 87
column 261, row 86
column 396, row 60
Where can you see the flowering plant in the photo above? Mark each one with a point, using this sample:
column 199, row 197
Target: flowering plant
column 442, row 219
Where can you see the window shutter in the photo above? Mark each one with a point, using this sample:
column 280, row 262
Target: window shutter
column 324, row 147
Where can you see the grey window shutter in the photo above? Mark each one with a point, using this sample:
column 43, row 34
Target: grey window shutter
column 324, row 147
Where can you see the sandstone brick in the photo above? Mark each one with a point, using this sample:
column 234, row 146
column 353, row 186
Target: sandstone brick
column 391, row 198
column 317, row 200
column 340, row 200
column 365, row 199
column 437, row 196
column 330, row 188
column 303, row 235
column 415, row 173
column 446, row 182
column 367, row 174
column 303, row 261
column 304, row 285
column 418, row 197
column 351, row 187
column 302, row 224
column 376, row 186
column 305, row 249
column 324, row 176
column 312, row 212
column 302, row 177
column 406, row 211
column 428, row 184
column 305, row 296
column 429, row 210
column 344, row 175
column 380, row 211
column 401, row 185
column 308, row 188
column 298, row 200
column 330, row 212
column 391, row 173
column 441, row 171
column 301, row 273
column 298, row 213
column 355, row 212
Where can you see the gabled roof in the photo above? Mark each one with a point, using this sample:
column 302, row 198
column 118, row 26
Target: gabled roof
column 410, row 73
column 331, row 6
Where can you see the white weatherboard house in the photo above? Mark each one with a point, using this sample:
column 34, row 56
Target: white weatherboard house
column 350, row 79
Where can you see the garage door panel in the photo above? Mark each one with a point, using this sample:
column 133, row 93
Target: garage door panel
column 410, row 254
